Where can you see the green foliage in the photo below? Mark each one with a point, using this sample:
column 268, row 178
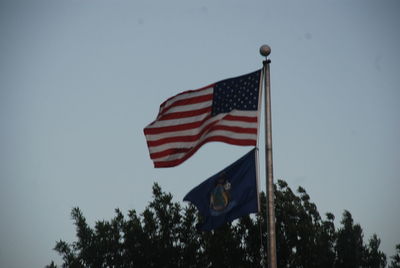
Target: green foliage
column 303, row 238
column 165, row 235
column 395, row 263
column 373, row 256
column 349, row 244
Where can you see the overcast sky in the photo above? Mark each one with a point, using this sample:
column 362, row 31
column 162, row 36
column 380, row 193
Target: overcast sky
column 80, row 79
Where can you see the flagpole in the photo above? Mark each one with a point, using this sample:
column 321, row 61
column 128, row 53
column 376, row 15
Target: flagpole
column 265, row 50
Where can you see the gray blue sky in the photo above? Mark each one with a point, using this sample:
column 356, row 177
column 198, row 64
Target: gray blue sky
column 80, row 79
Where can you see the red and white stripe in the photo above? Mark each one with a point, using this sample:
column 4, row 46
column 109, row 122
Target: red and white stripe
column 184, row 124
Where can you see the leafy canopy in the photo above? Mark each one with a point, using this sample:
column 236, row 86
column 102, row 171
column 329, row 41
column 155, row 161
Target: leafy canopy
column 165, row 235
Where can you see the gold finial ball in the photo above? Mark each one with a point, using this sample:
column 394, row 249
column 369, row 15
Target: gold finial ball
column 265, row 50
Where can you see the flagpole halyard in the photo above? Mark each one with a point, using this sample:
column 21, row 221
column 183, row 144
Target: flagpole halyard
column 265, row 50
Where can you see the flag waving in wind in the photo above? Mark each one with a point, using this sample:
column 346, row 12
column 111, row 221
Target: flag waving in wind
column 228, row 195
column 226, row 111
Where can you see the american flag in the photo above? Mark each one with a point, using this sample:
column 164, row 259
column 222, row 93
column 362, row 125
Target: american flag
column 226, row 111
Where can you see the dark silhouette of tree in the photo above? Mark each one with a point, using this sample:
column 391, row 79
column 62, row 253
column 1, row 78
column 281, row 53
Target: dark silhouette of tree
column 374, row 258
column 395, row 263
column 303, row 238
column 165, row 235
column 349, row 244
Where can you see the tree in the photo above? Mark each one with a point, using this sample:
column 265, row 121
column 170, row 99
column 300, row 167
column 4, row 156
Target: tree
column 303, row 238
column 374, row 258
column 349, row 244
column 395, row 263
column 165, row 235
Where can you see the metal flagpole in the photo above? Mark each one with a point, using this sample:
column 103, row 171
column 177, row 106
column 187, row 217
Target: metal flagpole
column 265, row 50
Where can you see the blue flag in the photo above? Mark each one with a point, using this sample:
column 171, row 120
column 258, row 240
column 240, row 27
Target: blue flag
column 228, row 195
